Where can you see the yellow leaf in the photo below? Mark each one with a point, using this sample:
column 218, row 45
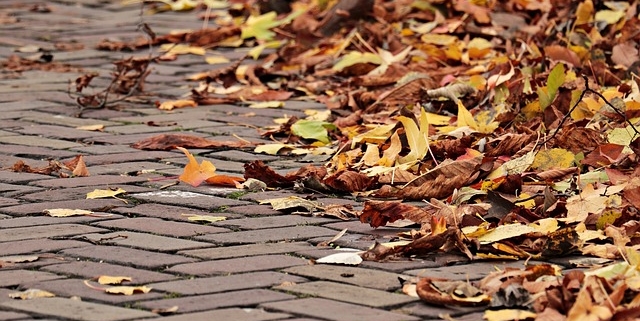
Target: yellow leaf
column 356, row 57
column 465, row 118
column 97, row 127
column 390, row 155
column 65, row 212
column 272, row 149
column 204, row 218
column 31, row 294
column 508, row 315
column 181, row 103
column 553, row 158
column 106, row 279
column 104, row 193
column 256, row 51
column 504, row 232
column 377, row 135
column 290, row 203
column 439, row 39
column 609, row 16
column 417, row 138
column 584, row 13
column 372, row 155
column 127, row 290
column 194, row 173
column 267, row 104
column 180, row 49
column 213, row 60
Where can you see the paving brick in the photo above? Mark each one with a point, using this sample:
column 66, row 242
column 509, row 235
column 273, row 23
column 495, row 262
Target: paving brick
column 238, row 265
column 35, row 152
column 427, row 311
column 34, row 232
column 127, row 256
column 104, row 149
column 75, row 310
column 76, row 287
column 12, row 278
column 351, row 275
column 61, row 120
column 25, row 105
column 465, row 272
column 189, row 199
column 246, row 250
column 13, row 177
column 255, row 197
column 359, row 227
column 37, row 208
column 88, row 270
column 333, row 310
column 60, row 132
column 162, row 227
column 240, row 156
column 120, row 157
column 221, row 165
column 216, row 284
column 245, row 298
column 348, row 293
column 227, row 314
column 352, row 240
column 131, row 168
column 38, row 141
column 145, row 241
column 37, row 246
column 273, row 221
column 47, row 220
column 74, row 193
column 8, row 201
column 102, row 181
column 10, row 316
column 428, row 262
column 254, row 210
column 140, row 129
column 294, row 233
column 167, row 212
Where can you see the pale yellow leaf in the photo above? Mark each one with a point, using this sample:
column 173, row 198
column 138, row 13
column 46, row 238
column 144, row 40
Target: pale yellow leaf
column 127, row 290
column 508, row 315
column 504, row 232
column 213, row 60
column 107, row 279
column 31, row 294
column 181, row 49
column 347, row 258
column 377, row 135
column 290, row 203
column 97, row 127
column 173, row 104
column 204, row 218
column 267, row 104
column 553, row 158
column 273, row 149
column 105, row 193
column 65, row 212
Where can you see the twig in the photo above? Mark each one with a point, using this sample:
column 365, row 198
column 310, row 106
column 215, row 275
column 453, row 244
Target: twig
column 586, row 90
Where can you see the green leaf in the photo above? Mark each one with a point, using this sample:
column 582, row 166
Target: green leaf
column 259, row 26
column 554, row 81
column 312, row 129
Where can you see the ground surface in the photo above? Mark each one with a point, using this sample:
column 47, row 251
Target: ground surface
column 253, row 266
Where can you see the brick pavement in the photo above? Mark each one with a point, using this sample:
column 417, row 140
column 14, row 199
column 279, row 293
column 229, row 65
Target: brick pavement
column 253, row 266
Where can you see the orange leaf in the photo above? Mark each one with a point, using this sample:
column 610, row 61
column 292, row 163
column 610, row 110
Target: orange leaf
column 224, row 180
column 194, row 173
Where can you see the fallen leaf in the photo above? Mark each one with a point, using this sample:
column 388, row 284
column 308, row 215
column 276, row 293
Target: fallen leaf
column 347, row 258
column 173, row 104
column 65, row 212
column 106, row 279
column 194, row 174
column 291, row 202
column 96, row 127
column 127, row 290
column 204, row 218
column 31, row 294
column 105, row 193
column 171, row 141
column 313, row 129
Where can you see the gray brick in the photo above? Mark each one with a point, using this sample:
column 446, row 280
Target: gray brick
column 239, row 265
column 38, row 141
column 70, row 287
column 12, row 278
column 34, row 232
column 339, row 311
column 145, row 241
column 127, row 256
column 245, row 298
column 216, row 284
column 246, row 250
column 75, row 310
column 273, row 221
column 295, row 233
column 88, row 269
column 351, row 275
column 188, row 199
column 37, row 208
column 227, row 314
column 162, row 227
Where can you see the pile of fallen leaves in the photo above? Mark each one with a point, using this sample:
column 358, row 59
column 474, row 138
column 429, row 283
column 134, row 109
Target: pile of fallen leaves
column 516, row 121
